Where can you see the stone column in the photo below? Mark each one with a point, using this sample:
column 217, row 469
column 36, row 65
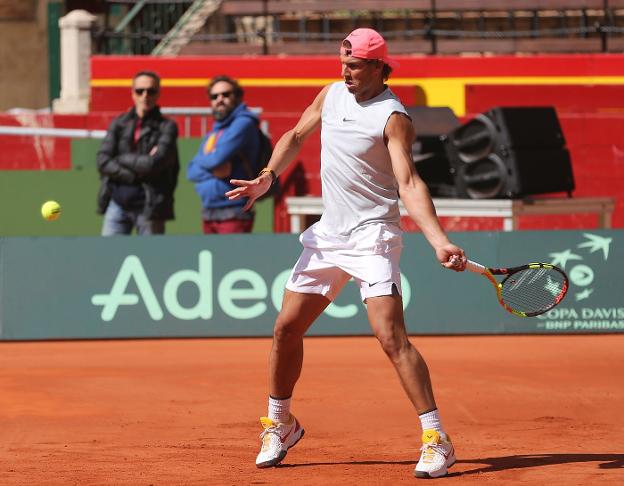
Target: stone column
column 75, row 62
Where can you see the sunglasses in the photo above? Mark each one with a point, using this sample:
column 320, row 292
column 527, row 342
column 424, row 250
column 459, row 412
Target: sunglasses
column 149, row 91
column 225, row 94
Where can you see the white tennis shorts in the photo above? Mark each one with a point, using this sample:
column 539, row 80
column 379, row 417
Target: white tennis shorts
column 370, row 255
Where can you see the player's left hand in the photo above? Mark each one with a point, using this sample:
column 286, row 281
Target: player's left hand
column 452, row 257
column 250, row 189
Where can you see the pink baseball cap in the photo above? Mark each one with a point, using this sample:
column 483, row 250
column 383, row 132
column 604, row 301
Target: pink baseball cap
column 368, row 44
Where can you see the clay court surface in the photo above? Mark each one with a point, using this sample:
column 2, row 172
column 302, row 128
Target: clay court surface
column 520, row 410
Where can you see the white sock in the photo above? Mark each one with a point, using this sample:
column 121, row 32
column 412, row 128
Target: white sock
column 279, row 409
column 431, row 420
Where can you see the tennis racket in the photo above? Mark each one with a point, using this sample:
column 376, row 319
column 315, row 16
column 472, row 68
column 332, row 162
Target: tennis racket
column 528, row 290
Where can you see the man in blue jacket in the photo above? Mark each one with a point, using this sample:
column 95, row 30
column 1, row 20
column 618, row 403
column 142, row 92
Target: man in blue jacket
column 229, row 151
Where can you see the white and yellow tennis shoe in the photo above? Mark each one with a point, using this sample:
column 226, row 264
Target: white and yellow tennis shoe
column 277, row 438
column 437, row 455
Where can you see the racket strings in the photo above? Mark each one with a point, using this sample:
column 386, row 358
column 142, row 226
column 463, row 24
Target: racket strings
column 534, row 289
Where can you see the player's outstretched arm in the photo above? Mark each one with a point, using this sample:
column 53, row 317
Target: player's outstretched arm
column 414, row 193
column 285, row 151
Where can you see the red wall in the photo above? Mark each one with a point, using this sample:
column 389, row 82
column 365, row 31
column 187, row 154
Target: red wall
column 591, row 110
column 592, row 116
column 605, row 99
column 185, row 77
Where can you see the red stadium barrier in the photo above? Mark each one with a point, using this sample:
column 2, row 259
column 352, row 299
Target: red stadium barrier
column 586, row 90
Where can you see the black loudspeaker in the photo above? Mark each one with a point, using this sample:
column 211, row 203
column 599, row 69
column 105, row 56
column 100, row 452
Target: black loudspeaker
column 510, row 152
column 431, row 124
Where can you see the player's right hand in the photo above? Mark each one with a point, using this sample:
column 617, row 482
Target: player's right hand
column 456, row 262
column 452, row 257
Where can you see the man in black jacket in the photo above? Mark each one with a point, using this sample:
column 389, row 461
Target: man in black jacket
column 138, row 165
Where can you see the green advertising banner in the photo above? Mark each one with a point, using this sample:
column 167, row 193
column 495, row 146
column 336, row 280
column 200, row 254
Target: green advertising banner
column 232, row 285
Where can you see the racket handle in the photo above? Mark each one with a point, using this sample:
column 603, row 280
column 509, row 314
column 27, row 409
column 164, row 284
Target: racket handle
column 475, row 267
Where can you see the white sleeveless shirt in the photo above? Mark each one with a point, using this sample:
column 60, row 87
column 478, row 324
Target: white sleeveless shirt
column 358, row 183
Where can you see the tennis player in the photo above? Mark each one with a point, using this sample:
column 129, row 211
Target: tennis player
column 366, row 164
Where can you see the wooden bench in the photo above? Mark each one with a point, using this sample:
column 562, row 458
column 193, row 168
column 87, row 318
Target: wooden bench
column 279, row 7
column 427, row 26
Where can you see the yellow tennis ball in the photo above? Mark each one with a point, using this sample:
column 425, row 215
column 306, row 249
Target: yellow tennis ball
column 51, row 210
